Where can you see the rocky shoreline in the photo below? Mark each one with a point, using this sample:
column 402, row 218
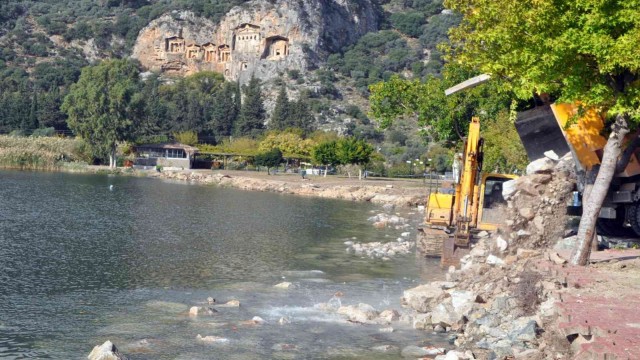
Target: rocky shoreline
column 514, row 297
column 364, row 191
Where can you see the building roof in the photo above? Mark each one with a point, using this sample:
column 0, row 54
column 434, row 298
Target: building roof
column 187, row 148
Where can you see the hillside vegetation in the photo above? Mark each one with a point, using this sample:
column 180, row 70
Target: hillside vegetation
column 45, row 44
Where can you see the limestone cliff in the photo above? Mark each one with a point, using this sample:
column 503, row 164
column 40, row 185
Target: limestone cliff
column 259, row 38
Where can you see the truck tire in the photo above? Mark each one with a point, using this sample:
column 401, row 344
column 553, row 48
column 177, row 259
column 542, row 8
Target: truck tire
column 634, row 218
column 615, row 227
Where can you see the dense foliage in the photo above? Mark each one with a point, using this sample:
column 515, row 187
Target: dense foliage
column 46, row 43
column 269, row 159
column 101, row 105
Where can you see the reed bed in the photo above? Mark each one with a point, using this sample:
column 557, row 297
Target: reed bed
column 40, row 153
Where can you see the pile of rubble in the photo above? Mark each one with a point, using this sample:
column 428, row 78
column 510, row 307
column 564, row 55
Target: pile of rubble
column 537, row 203
column 499, row 304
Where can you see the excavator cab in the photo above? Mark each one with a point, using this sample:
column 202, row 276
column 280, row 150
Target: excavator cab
column 493, row 206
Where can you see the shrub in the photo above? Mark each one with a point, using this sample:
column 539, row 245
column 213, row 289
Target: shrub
column 186, row 137
column 43, row 132
column 527, row 292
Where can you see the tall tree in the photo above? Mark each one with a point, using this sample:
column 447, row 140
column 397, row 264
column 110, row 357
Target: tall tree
column 101, row 105
column 353, row 151
column 582, row 51
column 300, row 115
column 252, row 114
column 325, row 154
column 224, row 111
column 281, row 114
column 269, row 159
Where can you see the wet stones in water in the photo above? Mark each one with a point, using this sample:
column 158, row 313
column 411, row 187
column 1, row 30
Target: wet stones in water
column 388, row 316
column 106, row 351
column 256, row 320
column 413, row 351
column 360, row 313
column 378, row 250
column 284, row 285
column 202, row 310
column 230, row 303
column 385, row 349
column 211, row 339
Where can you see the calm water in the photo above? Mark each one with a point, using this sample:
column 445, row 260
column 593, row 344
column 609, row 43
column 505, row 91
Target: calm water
column 80, row 264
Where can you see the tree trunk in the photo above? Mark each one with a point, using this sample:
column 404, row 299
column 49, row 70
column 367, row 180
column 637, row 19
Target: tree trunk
column 112, row 158
column 591, row 207
column 326, row 168
column 359, row 174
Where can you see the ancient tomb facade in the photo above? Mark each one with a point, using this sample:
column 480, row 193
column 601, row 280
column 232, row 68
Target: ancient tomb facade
column 247, row 39
column 277, row 47
column 193, row 51
column 210, row 52
column 224, row 53
column 174, row 45
column 244, row 45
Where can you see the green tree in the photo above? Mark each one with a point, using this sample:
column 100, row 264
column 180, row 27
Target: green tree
column 300, row 115
column 353, row 151
column 101, row 105
column 269, row 159
column 443, row 118
column 583, row 51
column 325, row 154
column 409, row 22
column 224, row 111
column 281, row 114
column 252, row 114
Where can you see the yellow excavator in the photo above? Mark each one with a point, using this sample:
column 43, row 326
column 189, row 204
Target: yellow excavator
column 476, row 204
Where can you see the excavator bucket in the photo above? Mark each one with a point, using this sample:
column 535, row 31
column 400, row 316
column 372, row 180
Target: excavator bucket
column 539, row 132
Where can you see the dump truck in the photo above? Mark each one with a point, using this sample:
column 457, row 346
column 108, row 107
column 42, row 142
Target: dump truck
column 569, row 128
column 474, row 204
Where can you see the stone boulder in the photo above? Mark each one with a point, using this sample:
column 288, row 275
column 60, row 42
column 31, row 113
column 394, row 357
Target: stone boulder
column 542, row 165
column 106, row 351
column 462, row 302
column 508, row 189
column 445, row 315
column 361, row 313
column 421, row 297
column 388, row 316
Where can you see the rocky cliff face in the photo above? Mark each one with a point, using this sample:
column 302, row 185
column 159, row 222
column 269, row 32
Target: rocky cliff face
column 259, row 38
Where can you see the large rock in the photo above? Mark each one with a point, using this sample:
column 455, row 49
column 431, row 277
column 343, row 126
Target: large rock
column 508, row 189
column 388, row 316
column 462, row 302
column 422, row 321
column 359, row 313
column 262, row 38
column 524, row 329
column 106, row 351
column 543, row 165
column 419, row 298
column 445, row 315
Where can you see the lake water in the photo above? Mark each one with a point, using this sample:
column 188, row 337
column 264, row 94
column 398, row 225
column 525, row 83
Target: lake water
column 81, row 263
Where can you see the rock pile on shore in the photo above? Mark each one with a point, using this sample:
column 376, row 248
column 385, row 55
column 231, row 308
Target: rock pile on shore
column 500, row 304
